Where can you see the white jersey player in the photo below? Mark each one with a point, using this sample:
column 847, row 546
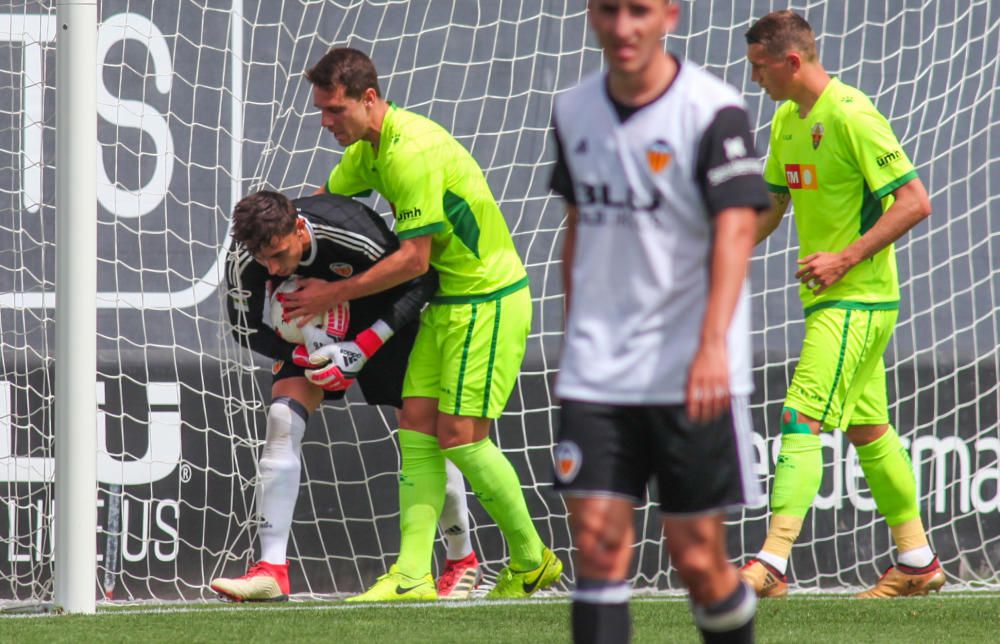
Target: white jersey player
column 655, row 162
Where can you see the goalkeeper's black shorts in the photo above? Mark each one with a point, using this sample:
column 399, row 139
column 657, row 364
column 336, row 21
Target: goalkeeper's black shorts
column 614, row 451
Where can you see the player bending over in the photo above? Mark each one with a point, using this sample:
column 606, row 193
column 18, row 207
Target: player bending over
column 326, row 237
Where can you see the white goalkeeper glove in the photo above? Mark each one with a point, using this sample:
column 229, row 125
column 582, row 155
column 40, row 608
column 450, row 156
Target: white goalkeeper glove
column 343, row 361
column 316, row 339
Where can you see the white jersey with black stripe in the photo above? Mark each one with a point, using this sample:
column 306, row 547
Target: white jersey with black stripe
column 646, row 186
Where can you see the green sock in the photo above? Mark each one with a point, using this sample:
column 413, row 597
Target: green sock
column 421, row 497
column 495, row 484
column 798, row 475
column 887, row 469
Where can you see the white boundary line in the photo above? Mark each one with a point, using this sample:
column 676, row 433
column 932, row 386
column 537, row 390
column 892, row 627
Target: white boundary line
column 340, row 605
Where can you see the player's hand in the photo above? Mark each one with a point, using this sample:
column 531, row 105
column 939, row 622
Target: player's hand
column 300, row 357
column 820, row 271
column 314, row 296
column 346, row 357
column 342, row 362
column 315, row 339
column 329, row 378
column 707, row 395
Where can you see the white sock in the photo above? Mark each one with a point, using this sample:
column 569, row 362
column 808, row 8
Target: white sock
column 773, row 560
column 280, row 470
column 917, row 557
column 454, row 521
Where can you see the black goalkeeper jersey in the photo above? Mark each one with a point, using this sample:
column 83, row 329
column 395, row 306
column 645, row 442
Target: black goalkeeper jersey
column 347, row 238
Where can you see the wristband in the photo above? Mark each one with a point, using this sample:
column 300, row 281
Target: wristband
column 371, row 339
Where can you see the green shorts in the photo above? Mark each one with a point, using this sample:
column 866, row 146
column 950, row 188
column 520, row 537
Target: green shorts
column 468, row 356
column 840, row 377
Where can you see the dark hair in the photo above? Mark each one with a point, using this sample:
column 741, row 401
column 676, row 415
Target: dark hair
column 781, row 32
column 346, row 67
column 262, row 216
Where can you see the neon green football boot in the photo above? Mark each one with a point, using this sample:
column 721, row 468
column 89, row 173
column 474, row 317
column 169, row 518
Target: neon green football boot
column 512, row 584
column 394, row 586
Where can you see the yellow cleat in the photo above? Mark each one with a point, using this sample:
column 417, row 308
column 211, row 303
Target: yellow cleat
column 394, row 586
column 512, row 584
column 764, row 579
column 904, row 581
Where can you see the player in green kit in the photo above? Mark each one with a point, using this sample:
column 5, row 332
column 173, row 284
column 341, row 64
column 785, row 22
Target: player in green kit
column 472, row 336
column 854, row 192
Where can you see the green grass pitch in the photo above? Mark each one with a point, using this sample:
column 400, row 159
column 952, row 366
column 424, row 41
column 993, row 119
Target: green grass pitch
column 951, row 617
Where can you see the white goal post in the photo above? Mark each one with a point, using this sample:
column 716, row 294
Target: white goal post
column 199, row 102
column 75, row 480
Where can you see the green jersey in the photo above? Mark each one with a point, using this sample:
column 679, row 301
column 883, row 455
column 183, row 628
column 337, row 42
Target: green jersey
column 436, row 188
column 840, row 164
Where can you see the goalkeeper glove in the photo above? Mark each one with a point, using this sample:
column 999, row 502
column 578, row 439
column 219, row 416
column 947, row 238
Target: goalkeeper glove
column 344, row 360
column 315, row 339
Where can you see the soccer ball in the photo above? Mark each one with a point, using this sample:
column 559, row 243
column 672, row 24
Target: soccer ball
column 332, row 325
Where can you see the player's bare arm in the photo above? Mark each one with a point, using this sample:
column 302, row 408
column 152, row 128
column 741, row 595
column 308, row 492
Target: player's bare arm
column 316, row 295
column 568, row 250
column 819, row 271
column 707, row 393
column 769, row 220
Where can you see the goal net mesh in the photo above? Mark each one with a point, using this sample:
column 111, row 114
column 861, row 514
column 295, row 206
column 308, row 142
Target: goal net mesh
column 203, row 101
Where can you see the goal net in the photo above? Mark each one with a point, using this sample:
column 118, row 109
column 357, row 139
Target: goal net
column 202, row 102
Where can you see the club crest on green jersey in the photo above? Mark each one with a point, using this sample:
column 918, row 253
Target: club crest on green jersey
column 817, row 135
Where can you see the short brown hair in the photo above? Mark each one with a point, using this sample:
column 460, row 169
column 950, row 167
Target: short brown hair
column 346, row 67
column 262, row 216
column 781, row 32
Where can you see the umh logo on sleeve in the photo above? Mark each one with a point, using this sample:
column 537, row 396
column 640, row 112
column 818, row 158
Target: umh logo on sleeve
column 801, row 176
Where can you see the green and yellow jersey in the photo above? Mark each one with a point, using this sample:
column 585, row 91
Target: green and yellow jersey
column 437, row 188
column 840, row 164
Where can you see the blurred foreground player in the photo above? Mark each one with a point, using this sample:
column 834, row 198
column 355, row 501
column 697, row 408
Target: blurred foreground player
column 655, row 162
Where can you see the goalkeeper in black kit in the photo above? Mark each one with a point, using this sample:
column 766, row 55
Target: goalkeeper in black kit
column 326, row 237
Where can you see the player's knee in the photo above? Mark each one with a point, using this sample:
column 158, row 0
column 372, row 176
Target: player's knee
column 455, row 431
column 278, row 433
column 418, row 415
column 861, row 435
column 794, row 422
column 600, row 545
column 697, row 566
column 276, row 464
